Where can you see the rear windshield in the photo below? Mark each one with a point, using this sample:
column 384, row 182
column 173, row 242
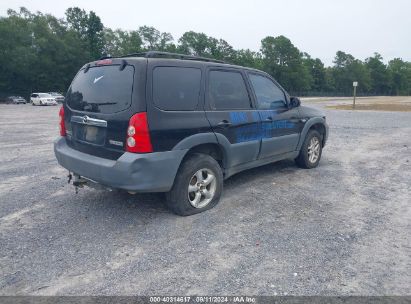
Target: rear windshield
column 103, row 89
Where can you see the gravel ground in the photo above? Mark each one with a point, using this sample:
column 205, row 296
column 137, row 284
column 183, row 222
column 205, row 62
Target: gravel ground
column 340, row 229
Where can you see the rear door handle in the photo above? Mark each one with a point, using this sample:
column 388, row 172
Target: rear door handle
column 224, row 124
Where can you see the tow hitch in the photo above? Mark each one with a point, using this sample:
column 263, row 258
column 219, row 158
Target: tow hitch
column 80, row 182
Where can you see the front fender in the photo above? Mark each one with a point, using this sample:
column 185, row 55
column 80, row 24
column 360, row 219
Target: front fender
column 308, row 125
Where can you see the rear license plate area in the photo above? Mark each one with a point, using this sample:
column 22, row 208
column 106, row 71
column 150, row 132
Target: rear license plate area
column 89, row 134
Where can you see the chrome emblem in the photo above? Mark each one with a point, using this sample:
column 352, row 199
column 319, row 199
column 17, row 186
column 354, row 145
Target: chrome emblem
column 85, row 119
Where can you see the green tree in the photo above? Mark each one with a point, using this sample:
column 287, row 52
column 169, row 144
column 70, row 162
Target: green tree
column 317, row 72
column 89, row 28
column 154, row 40
column 380, row 77
column 77, row 19
column 284, row 62
column 120, row 42
column 39, row 53
column 95, row 35
column 42, row 53
column 193, row 43
column 150, row 37
column 165, row 42
column 248, row 58
column 346, row 70
column 329, row 81
column 221, row 49
column 400, row 72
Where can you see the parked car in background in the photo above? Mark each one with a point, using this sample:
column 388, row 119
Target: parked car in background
column 16, row 100
column 42, row 99
column 57, row 96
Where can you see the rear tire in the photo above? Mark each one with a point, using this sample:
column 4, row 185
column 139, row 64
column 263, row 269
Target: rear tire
column 311, row 150
column 197, row 187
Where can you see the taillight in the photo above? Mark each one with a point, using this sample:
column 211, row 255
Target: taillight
column 138, row 135
column 62, row 125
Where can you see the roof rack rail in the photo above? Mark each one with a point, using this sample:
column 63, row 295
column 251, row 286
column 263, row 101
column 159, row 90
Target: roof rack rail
column 156, row 54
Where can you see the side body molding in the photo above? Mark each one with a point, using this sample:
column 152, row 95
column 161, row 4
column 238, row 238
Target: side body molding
column 195, row 140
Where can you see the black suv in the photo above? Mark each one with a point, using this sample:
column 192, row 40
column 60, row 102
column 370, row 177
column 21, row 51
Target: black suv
column 163, row 122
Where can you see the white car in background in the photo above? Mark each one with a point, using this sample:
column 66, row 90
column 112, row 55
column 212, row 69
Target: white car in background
column 16, row 100
column 57, row 96
column 42, row 99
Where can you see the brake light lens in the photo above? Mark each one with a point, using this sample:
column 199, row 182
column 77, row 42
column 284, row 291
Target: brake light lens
column 138, row 134
column 104, row 62
column 61, row 124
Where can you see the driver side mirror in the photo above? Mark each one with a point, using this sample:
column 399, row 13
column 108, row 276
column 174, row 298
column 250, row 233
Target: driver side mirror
column 295, row 102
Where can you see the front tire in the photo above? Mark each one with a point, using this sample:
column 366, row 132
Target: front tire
column 311, row 150
column 197, row 187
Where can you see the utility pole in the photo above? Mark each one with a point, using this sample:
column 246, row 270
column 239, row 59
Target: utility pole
column 354, row 84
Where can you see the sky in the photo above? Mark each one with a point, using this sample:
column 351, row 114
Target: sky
column 318, row 27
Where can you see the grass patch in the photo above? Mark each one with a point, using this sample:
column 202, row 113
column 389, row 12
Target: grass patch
column 399, row 107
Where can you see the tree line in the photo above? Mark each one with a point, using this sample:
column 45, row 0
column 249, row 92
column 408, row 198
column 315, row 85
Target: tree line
column 40, row 52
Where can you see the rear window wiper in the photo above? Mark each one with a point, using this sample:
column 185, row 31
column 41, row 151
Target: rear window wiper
column 105, row 103
column 98, row 103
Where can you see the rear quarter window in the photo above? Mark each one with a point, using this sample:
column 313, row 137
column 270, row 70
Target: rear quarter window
column 176, row 88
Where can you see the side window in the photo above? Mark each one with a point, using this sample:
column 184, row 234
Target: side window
column 269, row 95
column 34, row 95
column 176, row 88
column 227, row 91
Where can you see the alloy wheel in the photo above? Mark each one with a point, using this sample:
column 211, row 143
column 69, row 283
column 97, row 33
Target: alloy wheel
column 314, row 149
column 202, row 188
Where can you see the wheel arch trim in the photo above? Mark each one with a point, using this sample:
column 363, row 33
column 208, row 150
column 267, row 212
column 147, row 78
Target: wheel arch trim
column 206, row 138
column 311, row 122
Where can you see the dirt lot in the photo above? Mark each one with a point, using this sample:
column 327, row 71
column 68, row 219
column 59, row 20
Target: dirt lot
column 373, row 103
column 340, row 229
column 380, row 103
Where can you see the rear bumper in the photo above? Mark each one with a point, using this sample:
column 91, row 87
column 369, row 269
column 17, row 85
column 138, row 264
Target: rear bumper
column 151, row 172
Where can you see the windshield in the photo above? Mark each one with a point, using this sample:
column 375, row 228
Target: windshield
column 103, row 89
column 44, row 95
